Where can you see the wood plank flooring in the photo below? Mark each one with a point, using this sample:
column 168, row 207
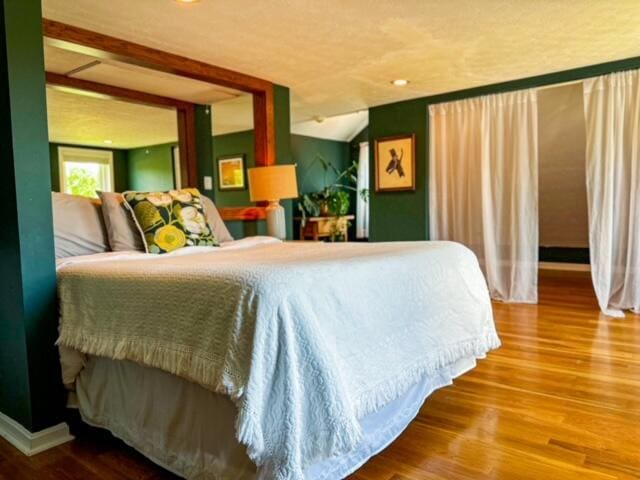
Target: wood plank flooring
column 560, row 400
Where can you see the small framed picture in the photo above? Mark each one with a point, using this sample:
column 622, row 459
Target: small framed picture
column 395, row 163
column 231, row 174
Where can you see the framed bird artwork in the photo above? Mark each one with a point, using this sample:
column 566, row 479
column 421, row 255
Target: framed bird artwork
column 395, row 163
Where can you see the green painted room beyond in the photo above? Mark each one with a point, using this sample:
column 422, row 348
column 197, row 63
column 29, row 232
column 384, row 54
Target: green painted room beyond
column 152, row 168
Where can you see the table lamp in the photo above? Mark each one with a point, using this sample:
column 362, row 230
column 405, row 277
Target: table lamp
column 271, row 184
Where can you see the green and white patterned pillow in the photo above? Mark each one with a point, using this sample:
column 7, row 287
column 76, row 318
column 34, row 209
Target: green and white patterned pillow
column 170, row 220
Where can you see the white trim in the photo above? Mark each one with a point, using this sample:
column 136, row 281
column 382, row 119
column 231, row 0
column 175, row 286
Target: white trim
column 177, row 172
column 33, row 443
column 567, row 267
column 90, row 155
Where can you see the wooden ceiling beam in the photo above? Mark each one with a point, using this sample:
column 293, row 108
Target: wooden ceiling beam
column 64, row 82
column 185, row 112
column 102, row 46
column 98, row 45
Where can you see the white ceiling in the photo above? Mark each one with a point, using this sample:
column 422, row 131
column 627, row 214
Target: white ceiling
column 235, row 115
column 133, row 77
column 81, row 119
column 339, row 57
column 88, row 120
column 341, row 127
column 335, row 60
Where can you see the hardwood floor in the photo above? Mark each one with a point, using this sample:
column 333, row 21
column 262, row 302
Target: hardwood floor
column 560, row 400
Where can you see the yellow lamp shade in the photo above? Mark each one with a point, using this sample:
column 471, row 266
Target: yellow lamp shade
column 272, row 183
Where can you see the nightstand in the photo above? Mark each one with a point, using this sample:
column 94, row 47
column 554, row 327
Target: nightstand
column 317, row 228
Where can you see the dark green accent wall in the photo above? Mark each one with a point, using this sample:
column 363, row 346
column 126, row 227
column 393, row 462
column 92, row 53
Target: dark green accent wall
column 403, row 216
column 241, row 229
column 311, row 176
column 204, row 147
column 363, row 136
column 151, row 168
column 282, row 111
column 400, row 215
column 29, row 367
column 233, row 144
column 243, row 143
column 120, row 166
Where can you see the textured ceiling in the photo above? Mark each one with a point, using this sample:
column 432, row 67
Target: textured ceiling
column 235, row 115
column 120, row 74
column 339, row 57
column 90, row 120
column 340, row 127
column 86, row 120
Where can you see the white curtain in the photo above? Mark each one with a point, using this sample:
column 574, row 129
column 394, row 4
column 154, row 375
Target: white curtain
column 483, row 186
column 612, row 113
column 362, row 204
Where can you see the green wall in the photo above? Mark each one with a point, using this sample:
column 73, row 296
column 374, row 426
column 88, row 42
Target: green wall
column 151, row 168
column 403, row 215
column 204, row 147
column 120, row 166
column 30, row 387
column 400, row 215
column 282, row 113
column 303, row 152
column 363, row 136
column 232, row 144
column 311, row 176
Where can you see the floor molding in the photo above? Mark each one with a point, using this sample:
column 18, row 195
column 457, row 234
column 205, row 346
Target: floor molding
column 569, row 267
column 33, row 443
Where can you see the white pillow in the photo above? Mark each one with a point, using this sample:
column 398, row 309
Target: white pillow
column 122, row 232
column 78, row 226
column 215, row 220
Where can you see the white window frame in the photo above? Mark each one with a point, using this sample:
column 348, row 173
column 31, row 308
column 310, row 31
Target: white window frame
column 177, row 173
column 88, row 155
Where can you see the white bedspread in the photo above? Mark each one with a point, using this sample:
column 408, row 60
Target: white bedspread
column 306, row 338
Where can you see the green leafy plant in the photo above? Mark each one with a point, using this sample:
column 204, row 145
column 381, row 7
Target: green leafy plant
column 333, row 200
column 82, row 182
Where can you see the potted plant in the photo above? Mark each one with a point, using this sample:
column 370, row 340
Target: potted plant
column 333, row 200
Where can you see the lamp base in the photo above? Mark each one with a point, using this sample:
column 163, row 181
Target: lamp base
column 275, row 220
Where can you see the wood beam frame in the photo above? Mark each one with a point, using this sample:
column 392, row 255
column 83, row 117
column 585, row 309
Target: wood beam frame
column 63, row 82
column 98, row 45
column 242, row 213
column 185, row 115
column 187, row 145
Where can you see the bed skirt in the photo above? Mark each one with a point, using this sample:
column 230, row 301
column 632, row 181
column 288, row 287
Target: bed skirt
column 190, row 431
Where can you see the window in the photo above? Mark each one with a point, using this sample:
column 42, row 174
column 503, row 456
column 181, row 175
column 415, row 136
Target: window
column 84, row 171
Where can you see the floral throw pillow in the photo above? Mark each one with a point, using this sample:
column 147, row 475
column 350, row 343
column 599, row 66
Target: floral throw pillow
column 170, row 220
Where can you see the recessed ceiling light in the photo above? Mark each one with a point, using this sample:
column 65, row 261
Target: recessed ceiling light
column 187, row 1
column 400, row 82
column 108, row 142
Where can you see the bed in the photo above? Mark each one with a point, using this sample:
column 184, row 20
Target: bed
column 263, row 359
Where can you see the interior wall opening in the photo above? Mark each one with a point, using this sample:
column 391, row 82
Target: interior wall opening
column 563, row 215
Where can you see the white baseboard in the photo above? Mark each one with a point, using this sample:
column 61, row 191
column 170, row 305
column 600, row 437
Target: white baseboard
column 32, row 443
column 567, row 267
